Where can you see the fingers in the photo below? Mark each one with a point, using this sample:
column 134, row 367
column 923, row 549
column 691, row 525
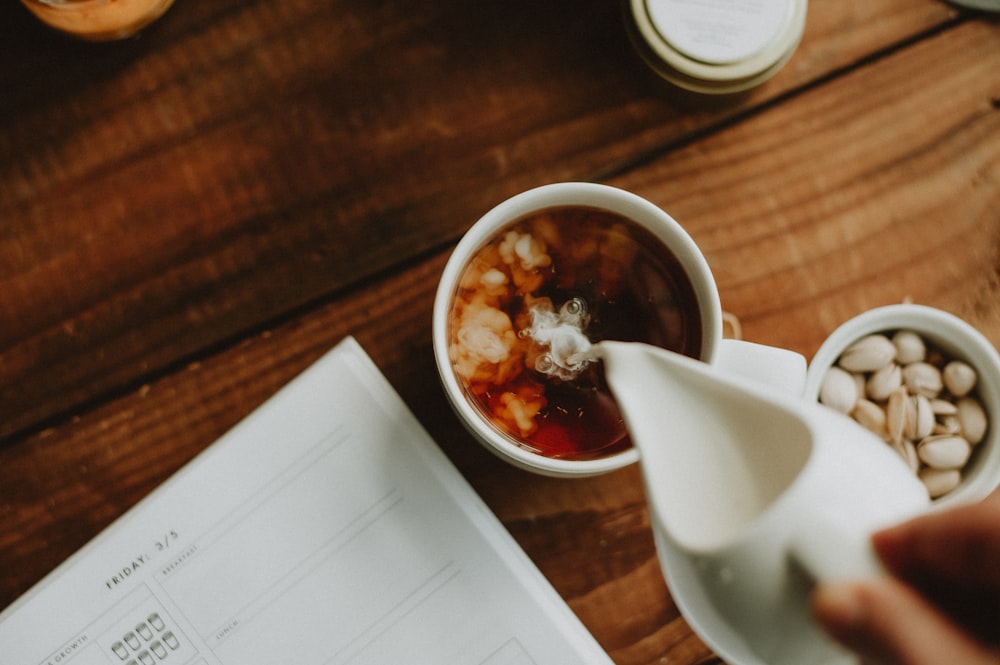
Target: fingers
column 952, row 558
column 886, row 622
column 943, row 606
column 958, row 546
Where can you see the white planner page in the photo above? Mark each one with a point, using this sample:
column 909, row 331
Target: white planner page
column 327, row 528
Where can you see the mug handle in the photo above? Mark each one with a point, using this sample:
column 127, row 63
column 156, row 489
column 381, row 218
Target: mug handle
column 777, row 368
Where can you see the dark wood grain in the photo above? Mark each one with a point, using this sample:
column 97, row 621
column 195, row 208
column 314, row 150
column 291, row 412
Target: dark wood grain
column 879, row 187
column 238, row 162
column 189, row 219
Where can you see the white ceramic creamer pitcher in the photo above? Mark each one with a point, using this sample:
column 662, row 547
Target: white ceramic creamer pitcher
column 754, row 494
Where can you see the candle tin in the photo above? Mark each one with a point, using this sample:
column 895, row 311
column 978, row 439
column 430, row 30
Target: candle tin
column 716, row 46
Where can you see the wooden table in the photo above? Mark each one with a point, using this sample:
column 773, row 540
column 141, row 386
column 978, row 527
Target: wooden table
column 190, row 218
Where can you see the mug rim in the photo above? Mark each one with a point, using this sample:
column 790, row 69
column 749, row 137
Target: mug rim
column 953, row 335
column 582, row 194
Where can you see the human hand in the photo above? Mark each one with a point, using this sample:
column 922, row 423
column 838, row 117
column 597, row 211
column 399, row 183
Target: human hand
column 942, row 602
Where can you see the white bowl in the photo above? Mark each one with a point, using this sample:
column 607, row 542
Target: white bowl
column 957, row 339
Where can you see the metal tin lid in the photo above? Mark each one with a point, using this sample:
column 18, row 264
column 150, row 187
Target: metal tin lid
column 717, row 46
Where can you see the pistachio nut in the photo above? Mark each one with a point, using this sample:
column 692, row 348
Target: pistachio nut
column 959, row 378
column 971, row 419
column 919, row 421
column 944, row 451
column 868, row 354
column 871, row 416
column 896, row 414
column 948, row 424
column 939, row 481
column 923, row 378
column 838, row 390
column 910, row 347
column 883, row 381
column 943, row 407
column 908, row 451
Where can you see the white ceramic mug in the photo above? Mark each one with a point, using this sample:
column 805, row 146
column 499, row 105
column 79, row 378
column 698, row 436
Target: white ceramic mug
column 783, row 369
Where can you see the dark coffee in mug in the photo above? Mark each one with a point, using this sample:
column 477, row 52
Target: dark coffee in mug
column 532, row 300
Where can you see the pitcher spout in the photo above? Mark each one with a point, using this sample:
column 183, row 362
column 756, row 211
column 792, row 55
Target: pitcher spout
column 715, row 451
column 753, row 495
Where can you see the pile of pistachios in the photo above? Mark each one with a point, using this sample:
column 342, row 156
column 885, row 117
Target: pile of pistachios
column 920, row 401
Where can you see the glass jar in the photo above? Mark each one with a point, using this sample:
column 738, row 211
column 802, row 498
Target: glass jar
column 98, row 20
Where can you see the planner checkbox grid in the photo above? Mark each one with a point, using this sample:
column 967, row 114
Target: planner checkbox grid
column 148, row 642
